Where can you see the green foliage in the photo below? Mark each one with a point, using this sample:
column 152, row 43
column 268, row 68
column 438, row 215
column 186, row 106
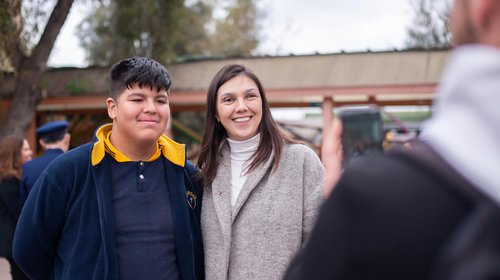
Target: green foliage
column 429, row 29
column 122, row 28
column 167, row 30
column 5, row 22
column 77, row 87
column 193, row 38
column 237, row 33
column 409, row 116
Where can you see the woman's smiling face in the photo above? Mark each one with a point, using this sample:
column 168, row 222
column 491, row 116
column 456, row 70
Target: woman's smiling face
column 239, row 108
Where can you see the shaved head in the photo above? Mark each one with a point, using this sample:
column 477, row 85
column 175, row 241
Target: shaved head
column 476, row 21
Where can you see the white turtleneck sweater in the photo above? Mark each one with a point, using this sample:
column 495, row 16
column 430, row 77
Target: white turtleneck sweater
column 465, row 128
column 241, row 152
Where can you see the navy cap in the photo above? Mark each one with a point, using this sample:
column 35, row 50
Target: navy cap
column 51, row 127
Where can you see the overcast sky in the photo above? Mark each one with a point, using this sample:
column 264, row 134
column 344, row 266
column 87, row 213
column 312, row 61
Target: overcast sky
column 296, row 26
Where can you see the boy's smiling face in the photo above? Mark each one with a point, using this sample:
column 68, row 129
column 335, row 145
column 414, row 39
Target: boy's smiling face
column 140, row 115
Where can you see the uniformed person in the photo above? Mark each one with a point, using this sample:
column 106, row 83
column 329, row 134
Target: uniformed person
column 54, row 139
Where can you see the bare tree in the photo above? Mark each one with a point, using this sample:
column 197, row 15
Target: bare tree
column 429, row 28
column 26, row 63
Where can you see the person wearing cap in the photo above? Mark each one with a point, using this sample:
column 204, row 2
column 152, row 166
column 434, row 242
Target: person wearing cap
column 54, row 139
column 123, row 206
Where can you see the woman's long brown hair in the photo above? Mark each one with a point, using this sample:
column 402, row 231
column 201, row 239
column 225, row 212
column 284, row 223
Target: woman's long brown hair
column 10, row 157
column 271, row 138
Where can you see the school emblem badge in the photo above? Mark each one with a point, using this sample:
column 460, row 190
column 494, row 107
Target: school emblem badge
column 191, row 199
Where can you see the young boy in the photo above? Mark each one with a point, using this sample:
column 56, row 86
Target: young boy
column 123, row 206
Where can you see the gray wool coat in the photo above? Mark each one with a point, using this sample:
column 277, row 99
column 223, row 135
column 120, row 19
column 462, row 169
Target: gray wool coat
column 272, row 217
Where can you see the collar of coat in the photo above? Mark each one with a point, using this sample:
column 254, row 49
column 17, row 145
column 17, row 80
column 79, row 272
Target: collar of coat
column 171, row 150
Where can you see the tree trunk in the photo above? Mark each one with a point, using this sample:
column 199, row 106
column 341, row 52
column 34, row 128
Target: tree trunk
column 27, row 92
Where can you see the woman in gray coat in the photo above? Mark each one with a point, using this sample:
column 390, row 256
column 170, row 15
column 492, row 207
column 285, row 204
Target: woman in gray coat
column 262, row 189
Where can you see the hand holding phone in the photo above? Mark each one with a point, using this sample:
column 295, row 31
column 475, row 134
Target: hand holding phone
column 362, row 131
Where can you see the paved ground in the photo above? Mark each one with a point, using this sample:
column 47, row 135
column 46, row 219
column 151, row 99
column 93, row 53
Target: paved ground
column 4, row 270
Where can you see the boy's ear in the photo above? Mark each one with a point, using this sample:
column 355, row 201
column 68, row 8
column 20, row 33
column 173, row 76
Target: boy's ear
column 111, row 107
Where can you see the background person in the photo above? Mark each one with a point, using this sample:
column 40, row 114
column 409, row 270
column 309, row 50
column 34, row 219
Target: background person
column 432, row 211
column 122, row 206
column 262, row 190
column 54, row 139
column 14, row 151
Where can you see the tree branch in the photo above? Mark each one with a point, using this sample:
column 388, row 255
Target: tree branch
column 42, row 51
column 27, row 92
column 11, row 27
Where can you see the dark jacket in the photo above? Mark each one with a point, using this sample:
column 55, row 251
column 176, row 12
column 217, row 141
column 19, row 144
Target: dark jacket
column 387, row 218
column 33, row 168
column 10, row 208
column 66, row 230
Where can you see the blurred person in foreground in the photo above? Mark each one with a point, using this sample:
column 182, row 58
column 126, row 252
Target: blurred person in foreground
column 122, row 206
column 431, row 212
column 262, row 189
column 54, row 139
column 14, row 151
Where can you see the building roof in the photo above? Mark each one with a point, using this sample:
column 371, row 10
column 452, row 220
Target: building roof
column 391, row 76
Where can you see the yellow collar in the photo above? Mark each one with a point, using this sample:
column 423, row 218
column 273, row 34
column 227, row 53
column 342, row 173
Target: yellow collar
column 171, row 150
column 118, row 156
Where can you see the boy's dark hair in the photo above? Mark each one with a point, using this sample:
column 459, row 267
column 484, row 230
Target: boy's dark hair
column 141, row 71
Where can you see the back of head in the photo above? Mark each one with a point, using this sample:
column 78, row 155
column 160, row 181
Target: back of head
column 52, row 132
column 475, row 22
column 141, row 71
column 10, row 157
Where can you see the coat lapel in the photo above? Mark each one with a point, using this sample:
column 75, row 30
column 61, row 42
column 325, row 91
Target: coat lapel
column 102, row 178
column 221, row 193
column 180, row 216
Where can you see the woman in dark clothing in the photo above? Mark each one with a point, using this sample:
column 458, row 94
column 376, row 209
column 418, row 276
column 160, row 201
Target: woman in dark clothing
column 14, row 151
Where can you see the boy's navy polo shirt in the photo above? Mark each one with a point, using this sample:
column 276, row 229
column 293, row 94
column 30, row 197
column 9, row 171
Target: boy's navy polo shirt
column 145, row 238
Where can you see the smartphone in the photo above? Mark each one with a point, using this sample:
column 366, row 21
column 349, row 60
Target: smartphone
column 362, row 133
